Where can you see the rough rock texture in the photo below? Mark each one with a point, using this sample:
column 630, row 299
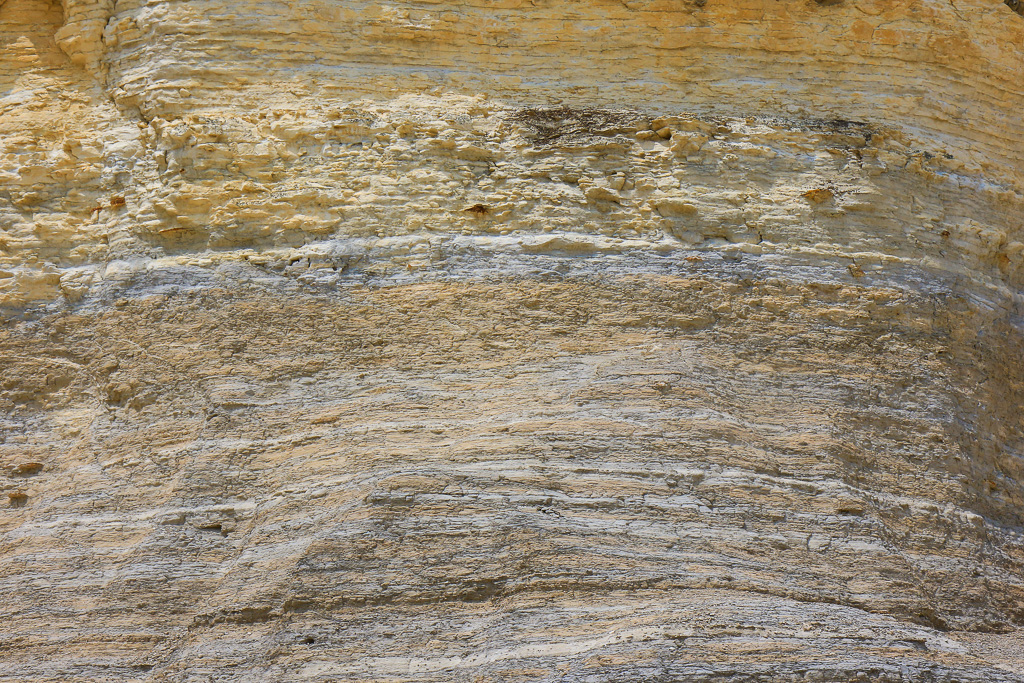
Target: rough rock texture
column 511, row 341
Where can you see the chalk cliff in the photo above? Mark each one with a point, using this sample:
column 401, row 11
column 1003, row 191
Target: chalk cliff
column 515, row 340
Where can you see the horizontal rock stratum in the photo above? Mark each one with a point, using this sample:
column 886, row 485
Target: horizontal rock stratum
column 512, row 341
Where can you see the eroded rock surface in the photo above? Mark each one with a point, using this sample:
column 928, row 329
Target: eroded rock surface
column 518, row 341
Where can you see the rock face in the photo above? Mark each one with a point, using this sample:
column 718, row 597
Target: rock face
column 511, row 341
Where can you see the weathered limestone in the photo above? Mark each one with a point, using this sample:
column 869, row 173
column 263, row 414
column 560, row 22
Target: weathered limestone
column 424, row 341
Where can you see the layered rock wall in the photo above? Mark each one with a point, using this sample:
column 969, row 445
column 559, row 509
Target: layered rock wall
column 511, row 341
